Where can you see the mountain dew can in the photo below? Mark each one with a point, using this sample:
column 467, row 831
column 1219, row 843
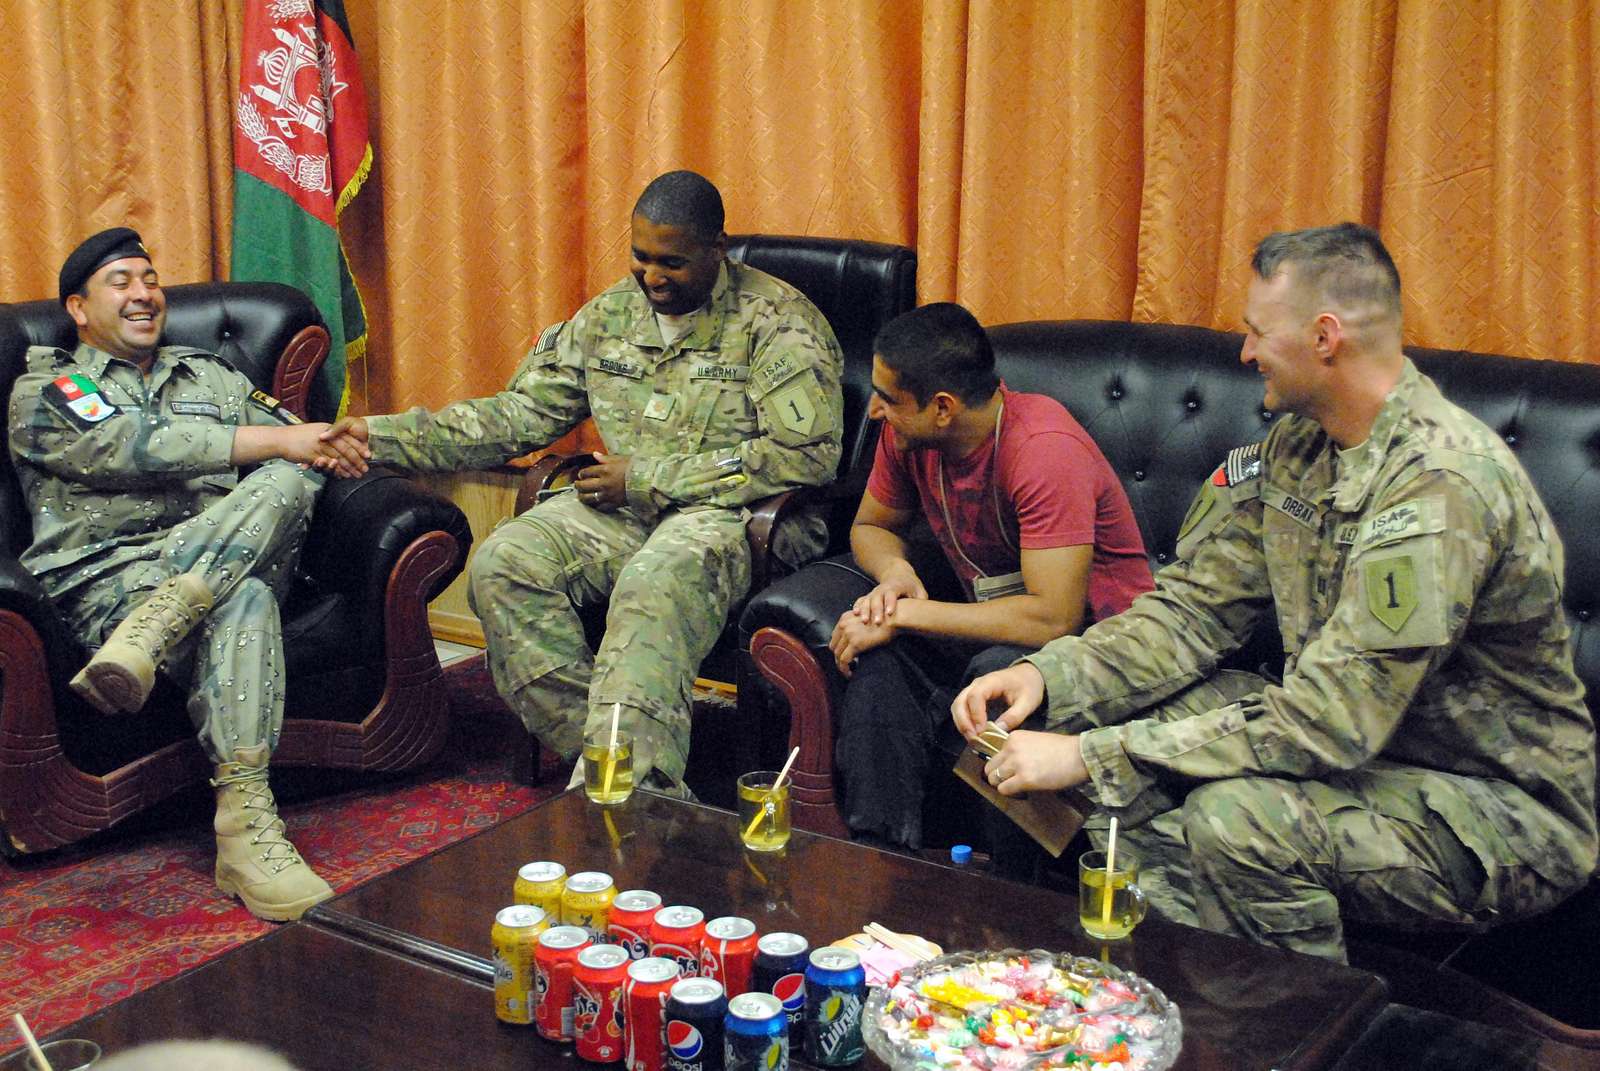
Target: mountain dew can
column 836, row 996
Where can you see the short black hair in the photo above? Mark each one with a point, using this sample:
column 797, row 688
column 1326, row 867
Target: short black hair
column 1345, row 263
column 939, row 347
column 683, row 199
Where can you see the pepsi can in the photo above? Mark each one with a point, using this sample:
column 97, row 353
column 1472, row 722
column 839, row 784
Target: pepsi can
column 836, row 994
column 780, row 969
column 693, row 1016
column 757, row 1034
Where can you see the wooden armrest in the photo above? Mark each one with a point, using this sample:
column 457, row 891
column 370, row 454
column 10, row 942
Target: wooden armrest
column 550, row 473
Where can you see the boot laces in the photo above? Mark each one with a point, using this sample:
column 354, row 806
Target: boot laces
column 266, row 825
column 161, row 619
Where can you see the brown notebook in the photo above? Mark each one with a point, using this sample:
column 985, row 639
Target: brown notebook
column 1050, row 818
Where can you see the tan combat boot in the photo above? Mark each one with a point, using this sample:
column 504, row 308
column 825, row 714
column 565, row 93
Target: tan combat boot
column 255, row 861
column 120, row 675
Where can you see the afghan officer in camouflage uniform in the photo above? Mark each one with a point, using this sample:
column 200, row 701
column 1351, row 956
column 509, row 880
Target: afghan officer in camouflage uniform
column 1427, row 758
column 158, row 553
column 712, row 385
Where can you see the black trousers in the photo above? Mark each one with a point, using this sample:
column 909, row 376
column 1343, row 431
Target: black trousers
column 896, row 742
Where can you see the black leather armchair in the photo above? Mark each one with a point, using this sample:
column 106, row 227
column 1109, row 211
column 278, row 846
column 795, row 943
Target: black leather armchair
column 1165, row 403
column 364, row 687
column 859, row 286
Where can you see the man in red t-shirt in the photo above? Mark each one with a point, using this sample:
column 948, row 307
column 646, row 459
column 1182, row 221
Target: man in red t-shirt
column 1031, row 519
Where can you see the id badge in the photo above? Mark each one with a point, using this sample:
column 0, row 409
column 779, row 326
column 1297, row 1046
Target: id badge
column 985, row 588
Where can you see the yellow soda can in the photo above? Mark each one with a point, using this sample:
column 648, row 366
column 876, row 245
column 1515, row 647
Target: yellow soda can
column 586, row 902
column 541, row 884
column 515, row 938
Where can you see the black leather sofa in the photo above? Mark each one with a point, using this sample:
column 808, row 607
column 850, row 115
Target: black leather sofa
column 1165, row 403
column 364, row 687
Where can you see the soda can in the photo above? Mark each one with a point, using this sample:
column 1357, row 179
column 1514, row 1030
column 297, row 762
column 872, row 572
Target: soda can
column 780, row 969
column 693, row 1015
column 540, row 884
column 553, row 965
column 597, row 1004
column 728, row 953
column 629, row 922
column 586, row 902
column 836, row 990
column 515, row 938
column 676, row 933
column 644, row 1027
column 755, row 1034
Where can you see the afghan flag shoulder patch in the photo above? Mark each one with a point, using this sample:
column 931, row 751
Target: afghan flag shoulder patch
column 80, row 399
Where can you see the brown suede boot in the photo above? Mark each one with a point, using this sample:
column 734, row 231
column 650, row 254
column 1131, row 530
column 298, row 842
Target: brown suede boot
column 255, row 861
column 120, row 675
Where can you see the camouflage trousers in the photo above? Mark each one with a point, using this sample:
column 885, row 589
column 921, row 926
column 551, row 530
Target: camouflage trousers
column 670, row 586
column 244, row 546
column 1285, row 862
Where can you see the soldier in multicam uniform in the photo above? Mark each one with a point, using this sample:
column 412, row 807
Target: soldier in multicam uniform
column 157, row 552
column 1427, row 758
column 712, row 385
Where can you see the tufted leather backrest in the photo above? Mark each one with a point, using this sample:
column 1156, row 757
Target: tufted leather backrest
column 1166, row 403
column 270, row 332
column 859, row 286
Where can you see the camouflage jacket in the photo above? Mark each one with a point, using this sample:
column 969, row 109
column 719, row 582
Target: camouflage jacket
column 745, row 404
column 109, row 458
column 1417, row 582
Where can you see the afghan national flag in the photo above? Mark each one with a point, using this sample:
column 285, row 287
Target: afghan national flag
column 300, row 153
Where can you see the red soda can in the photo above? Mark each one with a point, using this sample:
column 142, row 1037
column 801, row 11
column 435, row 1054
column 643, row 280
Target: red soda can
column 553, row 964
column 675, row 934
column 728, row 953
column 631, row 915
column 645, row 995
column 597, row 1004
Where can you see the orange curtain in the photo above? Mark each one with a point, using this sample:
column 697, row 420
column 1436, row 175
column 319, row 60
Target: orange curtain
column 1105, row 158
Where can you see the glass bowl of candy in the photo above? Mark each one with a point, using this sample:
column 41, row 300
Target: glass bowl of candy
column 1021, row 1011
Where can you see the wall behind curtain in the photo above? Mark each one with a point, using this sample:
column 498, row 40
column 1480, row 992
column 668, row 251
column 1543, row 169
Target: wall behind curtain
column 1053, row 158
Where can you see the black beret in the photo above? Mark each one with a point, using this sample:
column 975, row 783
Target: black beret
column 96, row 252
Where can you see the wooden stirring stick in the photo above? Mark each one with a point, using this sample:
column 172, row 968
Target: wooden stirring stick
column 39, row 1058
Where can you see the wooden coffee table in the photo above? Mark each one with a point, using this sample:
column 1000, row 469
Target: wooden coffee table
column 1243, row 1006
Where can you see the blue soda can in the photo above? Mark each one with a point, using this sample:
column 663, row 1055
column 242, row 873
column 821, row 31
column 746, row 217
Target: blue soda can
column 836, row 995
column 756, row 1034
column 693, row 1024
column 780, row 969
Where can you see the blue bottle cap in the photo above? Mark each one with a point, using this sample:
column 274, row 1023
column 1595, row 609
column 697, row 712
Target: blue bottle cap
column 961, row 854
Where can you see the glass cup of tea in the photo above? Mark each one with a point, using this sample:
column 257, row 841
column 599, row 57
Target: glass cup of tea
column 763, row 811
column 65, row 1054
column 607, row 769
column 1126, row 899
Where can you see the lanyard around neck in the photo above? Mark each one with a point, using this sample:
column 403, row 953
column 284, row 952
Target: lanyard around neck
column 994, row 486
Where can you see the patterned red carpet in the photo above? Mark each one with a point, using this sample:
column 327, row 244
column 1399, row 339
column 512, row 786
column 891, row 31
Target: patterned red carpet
column 98, row 921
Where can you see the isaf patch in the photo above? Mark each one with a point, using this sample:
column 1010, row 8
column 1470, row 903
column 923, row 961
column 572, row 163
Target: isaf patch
column 79, row 398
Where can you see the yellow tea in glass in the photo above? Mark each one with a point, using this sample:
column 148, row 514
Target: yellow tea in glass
column 763, row 811
column 607, row 771
column 1127, row 899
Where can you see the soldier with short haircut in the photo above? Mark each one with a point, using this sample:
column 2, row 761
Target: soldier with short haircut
column 712, row 384
column 159, row 554
column 1427, row 758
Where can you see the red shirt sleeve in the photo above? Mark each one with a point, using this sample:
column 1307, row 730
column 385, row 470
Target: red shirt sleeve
column 890, row 481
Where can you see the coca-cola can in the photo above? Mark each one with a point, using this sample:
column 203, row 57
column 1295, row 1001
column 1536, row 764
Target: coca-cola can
column 728, row 953
column 553, row 964
column 645, row 998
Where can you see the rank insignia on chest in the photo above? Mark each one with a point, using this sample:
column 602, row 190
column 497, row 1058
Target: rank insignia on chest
column 659, row 407
column 79, row 398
